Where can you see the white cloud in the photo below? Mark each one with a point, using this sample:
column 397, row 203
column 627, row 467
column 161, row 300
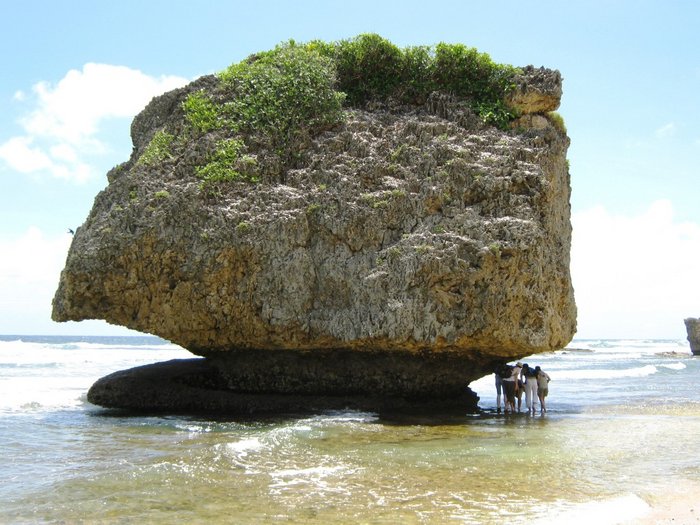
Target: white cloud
column 666, row 131
column 64, row 152
column 21, row 156
column 635, row 276
column 62, row 128
column 32, row 258
column 61, row 160
column 72, row 110
column 30, row 268
column 29, row 271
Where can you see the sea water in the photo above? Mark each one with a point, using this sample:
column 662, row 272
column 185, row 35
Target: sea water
column 622, row 431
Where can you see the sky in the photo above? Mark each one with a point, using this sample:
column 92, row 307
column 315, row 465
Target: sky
column 75, row 73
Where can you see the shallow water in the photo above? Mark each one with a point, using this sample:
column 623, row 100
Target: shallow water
column 621, row 428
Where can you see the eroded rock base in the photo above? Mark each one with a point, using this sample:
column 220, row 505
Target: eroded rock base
column 196, row 386
column 426, row 374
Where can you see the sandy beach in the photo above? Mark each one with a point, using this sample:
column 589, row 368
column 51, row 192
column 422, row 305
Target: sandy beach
column 674, row 509
column 678, row 504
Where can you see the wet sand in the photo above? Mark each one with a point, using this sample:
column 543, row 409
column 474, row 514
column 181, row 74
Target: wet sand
column 676, row 513
column 673, row 506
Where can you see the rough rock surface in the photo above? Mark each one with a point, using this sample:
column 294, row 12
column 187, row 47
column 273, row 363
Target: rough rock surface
column 196, row 386
column 692, row 327
column 405, row 253
column 537, row 90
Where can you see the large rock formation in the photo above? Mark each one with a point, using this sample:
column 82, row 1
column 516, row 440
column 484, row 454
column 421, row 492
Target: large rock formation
column 692, row 327
column 398, row 253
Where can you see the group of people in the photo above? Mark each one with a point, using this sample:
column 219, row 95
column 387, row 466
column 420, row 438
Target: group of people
column 513, row 380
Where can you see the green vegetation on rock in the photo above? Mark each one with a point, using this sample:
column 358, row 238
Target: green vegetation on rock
column 283, row 93
column 223, row 164
column 201, row 112
column 276, row 96
column 557, row 121
column 276, row 100
column 157, row 150
column 162, row 194
column 370, row 67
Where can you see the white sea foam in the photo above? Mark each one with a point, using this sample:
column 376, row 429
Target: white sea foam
column 322, row 480
column 559, row 374
column 620, row 345
column 21, row 346
column 614, row 511
column 56, row 374
column 307, row 472
column 317, row 477
column 642, row 371
column 349, row 416
column 22, row 394
column 674, row 366
column 244, row 446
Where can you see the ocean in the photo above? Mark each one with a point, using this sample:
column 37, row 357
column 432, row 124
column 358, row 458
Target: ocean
column 621, row 435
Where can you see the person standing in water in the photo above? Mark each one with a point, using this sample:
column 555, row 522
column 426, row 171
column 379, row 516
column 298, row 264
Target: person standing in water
column 510, row 385
column 542, row 388
column 529, row 376
column 499, row 388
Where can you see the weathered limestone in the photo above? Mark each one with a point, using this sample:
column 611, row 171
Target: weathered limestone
column 537, row 90
column 692, row 327
column 406, row 252
column 197, row 386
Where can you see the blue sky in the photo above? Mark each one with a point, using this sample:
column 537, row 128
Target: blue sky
column 76, row 72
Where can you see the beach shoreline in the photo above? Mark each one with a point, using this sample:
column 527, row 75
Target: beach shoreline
column 674, row 503
column 674, row 508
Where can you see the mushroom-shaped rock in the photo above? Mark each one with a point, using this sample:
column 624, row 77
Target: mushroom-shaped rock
column 394, row 247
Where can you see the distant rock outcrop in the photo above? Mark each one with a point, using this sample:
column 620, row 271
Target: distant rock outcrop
column 692, row 327
column 398, row 251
